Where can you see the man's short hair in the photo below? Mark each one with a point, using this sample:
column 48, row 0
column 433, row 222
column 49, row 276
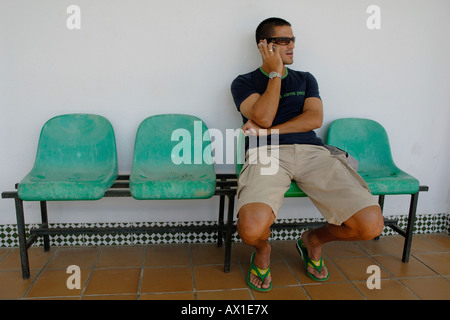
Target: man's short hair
column 265, row 28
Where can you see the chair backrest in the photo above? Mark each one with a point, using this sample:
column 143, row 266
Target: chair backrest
column 82, row 141
column 168, row 141
column 364, row 139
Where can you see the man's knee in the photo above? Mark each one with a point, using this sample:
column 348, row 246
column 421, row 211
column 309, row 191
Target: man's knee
column 254, row 222
column 368, row 222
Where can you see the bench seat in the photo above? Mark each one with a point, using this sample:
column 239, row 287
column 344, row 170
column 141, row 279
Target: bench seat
column 66, row 169
column 76, row 160
column 158, row 172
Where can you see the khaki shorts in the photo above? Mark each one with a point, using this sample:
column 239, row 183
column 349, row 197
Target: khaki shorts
column 333, row 186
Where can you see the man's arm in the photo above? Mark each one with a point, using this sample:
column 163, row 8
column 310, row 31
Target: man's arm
column 310, row 119
column 261, row 109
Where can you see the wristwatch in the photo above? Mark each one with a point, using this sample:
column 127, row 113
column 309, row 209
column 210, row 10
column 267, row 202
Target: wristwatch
column 274, row 74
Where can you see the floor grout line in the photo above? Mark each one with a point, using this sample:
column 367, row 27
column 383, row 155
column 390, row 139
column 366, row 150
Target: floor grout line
column 284, row 258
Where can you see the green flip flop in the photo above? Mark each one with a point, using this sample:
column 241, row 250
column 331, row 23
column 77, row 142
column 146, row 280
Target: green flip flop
column 317, row 265
column 261, row 273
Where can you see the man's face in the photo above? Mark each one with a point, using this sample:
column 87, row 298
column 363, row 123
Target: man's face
column 286, row 51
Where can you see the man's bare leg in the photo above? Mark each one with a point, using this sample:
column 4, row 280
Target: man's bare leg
column 366, row 224
column 253, row 227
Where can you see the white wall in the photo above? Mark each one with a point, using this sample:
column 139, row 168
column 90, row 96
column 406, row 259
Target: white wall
column 132, row 59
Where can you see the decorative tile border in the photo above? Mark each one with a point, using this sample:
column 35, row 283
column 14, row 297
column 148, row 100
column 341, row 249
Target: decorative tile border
column 434, row 223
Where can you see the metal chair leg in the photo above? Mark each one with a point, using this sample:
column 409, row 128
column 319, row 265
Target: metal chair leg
column 410, row 227
column 221, row 223
column 22, row 239
column 44, row 218
column 229, row 234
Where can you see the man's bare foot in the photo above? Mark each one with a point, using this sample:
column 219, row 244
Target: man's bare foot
column 262, row 261
column 314, row 252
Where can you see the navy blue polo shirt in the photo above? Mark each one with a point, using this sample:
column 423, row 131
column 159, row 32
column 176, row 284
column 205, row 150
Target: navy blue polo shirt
column 296, row 86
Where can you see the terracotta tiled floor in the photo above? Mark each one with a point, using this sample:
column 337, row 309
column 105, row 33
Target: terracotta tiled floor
column 195, row 272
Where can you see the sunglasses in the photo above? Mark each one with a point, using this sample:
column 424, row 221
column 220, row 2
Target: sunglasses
column 282, row 41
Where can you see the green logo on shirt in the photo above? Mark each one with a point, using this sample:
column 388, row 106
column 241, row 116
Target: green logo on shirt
column 292, row 94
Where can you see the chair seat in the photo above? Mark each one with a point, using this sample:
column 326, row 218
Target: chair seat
column 76, row 160
column 368, row 142
column 70, row 185
column 379, row 183
column 155, row 175
column 390, row 182
column 184, row 183
column 294, row 191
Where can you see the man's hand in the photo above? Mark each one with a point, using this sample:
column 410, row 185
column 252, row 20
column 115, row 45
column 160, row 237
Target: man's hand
column 252, row 129
column 263, row 108
column 271, row 57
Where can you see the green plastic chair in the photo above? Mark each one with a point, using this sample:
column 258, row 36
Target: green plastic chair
column 292, row 192
column 172, row 159
column 76, row 160
column 367, row 141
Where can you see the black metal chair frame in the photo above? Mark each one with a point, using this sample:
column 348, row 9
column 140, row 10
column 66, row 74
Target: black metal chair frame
column 226, row 187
